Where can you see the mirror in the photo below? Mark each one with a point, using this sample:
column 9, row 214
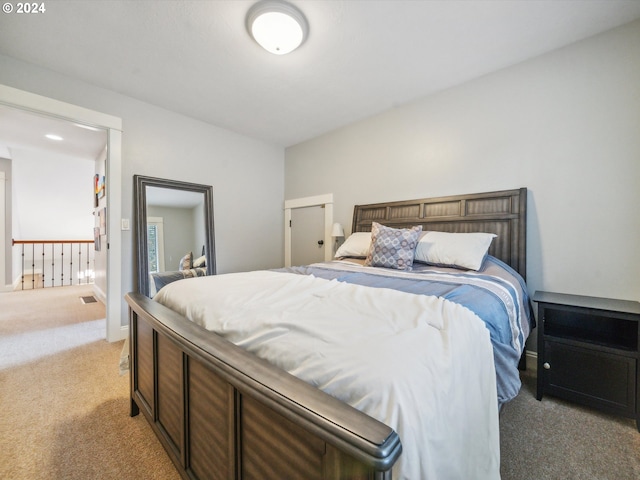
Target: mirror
column 173, row 219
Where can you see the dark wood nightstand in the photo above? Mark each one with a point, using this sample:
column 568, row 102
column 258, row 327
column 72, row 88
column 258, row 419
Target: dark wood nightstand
column 588, row 351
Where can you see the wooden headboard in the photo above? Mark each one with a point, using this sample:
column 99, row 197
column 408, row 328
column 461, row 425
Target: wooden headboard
column 503, row 213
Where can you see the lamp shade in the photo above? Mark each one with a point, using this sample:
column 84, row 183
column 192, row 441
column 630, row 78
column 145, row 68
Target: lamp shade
column 277, row 26
column 337, row 230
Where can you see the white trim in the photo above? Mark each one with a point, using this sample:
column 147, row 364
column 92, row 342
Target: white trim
column 532, row 361
column 55, row 108
column 328, row 227
column 159, row 223
column 309, row 201
column 43, row 105
column 3, row 216
column 327, row 201
column 99, row 294
column 115, row 299
column 287, row 237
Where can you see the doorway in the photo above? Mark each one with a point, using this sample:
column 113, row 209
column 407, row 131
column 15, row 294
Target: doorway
column 40, row 105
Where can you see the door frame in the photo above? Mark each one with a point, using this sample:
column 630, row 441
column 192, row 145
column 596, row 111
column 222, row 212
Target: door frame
column 38, row 104
column 325, row 200
column 3, row 219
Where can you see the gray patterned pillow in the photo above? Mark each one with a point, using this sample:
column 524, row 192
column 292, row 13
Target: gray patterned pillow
column 186, row 262
column 392, row 247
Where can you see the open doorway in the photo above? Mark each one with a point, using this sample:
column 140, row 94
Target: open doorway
column 46, row 107
column 51, row 166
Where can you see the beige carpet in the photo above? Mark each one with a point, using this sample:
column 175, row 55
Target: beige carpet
column 64, row 408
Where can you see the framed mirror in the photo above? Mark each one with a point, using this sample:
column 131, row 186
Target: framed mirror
column 174, row 231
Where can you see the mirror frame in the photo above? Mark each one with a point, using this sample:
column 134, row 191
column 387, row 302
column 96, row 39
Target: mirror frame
column 140, row 184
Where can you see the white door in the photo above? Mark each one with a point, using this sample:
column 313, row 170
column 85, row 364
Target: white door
column 325, row 204
column 307, row 235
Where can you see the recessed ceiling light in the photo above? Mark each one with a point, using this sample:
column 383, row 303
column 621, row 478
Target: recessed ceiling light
column 277, row 26
column 51, row 136
column 87, row 127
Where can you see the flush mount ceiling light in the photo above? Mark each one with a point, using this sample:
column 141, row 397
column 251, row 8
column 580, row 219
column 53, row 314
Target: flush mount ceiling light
column 52, row 136
column 277, row 26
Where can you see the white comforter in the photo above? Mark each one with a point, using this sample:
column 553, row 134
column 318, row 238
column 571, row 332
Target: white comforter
column 420, row 364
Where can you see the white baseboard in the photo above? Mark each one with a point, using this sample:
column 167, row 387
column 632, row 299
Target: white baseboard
column 532, row 361
column 124, row 332
column 100, row 295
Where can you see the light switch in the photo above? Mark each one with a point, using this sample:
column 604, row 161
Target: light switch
column 125, row 224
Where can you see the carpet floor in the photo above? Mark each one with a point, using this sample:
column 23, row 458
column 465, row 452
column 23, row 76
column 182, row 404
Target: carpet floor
column 554, row 439
column 64, row 408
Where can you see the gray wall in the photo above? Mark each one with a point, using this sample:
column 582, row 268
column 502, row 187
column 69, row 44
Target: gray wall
column 179, row 225
column 566, row 125
column 247, row 175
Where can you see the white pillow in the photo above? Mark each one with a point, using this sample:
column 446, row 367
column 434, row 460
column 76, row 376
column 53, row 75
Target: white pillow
column 356, row 245
column 460, row 250
column 200, row 262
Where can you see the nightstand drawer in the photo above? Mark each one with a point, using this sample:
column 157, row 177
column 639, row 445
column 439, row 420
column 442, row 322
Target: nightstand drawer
column 594, row 378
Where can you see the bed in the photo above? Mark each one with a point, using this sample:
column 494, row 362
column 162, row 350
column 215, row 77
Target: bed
column 226, row 406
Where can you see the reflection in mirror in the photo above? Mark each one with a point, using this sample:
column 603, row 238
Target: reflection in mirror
column 174, row 232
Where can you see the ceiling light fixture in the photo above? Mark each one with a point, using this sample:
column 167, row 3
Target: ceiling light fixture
column 277, row 26
column 51, row 136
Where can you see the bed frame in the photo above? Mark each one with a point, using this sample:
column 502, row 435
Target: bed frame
column 222, row 413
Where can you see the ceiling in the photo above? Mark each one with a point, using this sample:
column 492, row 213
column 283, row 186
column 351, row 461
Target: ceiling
column 22, row 130
column 361, row 57
column 172, row 197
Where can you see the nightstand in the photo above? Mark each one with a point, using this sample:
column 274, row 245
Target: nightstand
column 588, row 351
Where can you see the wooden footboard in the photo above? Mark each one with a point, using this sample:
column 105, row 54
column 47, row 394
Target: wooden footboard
column 222, row 413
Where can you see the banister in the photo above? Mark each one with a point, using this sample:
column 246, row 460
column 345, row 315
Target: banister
column 29, row 242
column 55, row 257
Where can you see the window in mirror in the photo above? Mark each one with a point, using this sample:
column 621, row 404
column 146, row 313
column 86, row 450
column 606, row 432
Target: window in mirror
column 155, row 244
